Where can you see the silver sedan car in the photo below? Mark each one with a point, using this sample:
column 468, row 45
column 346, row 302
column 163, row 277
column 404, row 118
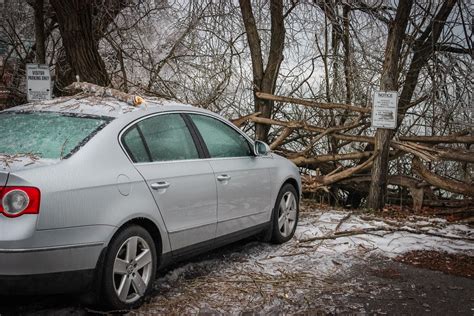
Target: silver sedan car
column 97, row 196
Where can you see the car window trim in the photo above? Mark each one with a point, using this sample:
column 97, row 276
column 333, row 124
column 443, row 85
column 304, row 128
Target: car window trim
column 197, row 137
column 145, row 144
column 127, row 148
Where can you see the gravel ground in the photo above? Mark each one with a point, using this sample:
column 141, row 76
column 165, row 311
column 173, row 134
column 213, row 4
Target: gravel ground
column 313, row 273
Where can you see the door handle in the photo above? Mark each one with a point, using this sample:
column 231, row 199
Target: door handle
column 223, row 177
column 160, row 185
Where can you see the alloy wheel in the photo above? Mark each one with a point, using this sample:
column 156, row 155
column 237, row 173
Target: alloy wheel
column 287, row 214
column 132, row 269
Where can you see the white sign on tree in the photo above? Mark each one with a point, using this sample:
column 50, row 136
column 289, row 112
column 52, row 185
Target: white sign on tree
column 38, row 82
column 384, row 109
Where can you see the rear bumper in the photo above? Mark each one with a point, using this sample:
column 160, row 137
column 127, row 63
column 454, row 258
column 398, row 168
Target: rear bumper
column 19, row 262
column 64, row 269
column 50, row 283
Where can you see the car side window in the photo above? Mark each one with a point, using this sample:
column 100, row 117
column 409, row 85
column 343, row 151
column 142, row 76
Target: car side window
column 135, row 146
column 221, row 140
column 168, row 138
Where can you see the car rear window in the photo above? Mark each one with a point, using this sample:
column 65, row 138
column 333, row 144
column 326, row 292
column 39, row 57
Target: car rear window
column 46, row 134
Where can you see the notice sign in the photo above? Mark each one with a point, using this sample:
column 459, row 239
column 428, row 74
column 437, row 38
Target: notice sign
column 384, row 109
column 38, row 82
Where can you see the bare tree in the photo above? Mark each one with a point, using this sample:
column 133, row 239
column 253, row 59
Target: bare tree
column 264, row 77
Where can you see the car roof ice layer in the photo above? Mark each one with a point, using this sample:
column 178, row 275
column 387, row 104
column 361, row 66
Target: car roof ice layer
column 98, row 106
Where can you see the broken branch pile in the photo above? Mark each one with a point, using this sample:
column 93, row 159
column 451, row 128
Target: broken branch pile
column 336, row 159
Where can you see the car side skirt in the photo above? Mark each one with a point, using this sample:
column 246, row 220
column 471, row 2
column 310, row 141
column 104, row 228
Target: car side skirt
column 194, row 250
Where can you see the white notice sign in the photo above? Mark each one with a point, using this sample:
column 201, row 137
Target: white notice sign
column 38, row 82
column 384, row 109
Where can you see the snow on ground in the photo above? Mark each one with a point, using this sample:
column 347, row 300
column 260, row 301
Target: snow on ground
column 301, row 274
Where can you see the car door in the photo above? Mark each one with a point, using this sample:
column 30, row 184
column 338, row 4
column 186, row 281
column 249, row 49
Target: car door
column 243, row 179
column 183, row 185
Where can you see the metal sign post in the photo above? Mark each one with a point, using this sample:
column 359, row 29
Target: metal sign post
column 38, row 82
column 385, row 109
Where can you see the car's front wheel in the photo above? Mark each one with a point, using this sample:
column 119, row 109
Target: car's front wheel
column 285, row 214
column 130, row 268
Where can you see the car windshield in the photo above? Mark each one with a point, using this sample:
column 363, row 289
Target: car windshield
column 46, row 134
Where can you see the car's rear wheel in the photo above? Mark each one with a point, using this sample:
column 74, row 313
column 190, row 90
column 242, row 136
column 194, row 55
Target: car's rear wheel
column 285, row 214
column 130, row 268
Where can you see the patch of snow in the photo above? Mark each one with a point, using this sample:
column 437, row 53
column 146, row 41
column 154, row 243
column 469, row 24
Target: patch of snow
column 298, row 275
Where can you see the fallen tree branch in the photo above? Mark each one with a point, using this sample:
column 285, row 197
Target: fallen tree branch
column 441, row 182
column 301, row 161
column 281, row 138
column 99, row 91
column 453, row 139
column 367, row 231
column 241, row 120
column 422, row 152
column 318, row 182
column 364, row 139
column 341, row 106
column 345, row 218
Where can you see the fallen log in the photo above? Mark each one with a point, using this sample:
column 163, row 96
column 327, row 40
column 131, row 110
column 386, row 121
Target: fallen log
column 322, row 181
column 301, row 161
column 416, row 187
column 450, row 203
column 441, row 182
column 327, row 106
column 453, row 139
column 462, row 155
column 361, row 138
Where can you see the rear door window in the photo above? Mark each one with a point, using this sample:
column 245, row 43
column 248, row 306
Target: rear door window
column 133, row 142
column 166, row 137
column 221, row 140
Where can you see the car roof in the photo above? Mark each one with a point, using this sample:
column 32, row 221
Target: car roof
column 104, row 106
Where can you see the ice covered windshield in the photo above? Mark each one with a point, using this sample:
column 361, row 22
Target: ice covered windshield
column 45, row 134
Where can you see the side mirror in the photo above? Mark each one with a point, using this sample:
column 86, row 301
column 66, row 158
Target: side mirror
column 260, row 148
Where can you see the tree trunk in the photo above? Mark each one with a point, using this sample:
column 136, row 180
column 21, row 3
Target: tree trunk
column 39, row 32
column 388, row 82
column 264, row 80
column 422, row 52
column 75, row 20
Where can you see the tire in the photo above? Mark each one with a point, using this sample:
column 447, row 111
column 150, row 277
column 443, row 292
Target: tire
column 285, row 214
column 135, row 270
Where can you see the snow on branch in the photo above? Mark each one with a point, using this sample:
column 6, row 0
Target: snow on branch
column 99, row 91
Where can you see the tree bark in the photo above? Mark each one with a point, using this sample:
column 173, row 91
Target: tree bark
column 75, row 20
column 39, row 32
column 388, row 82
column 264, row 80
column 422, row 52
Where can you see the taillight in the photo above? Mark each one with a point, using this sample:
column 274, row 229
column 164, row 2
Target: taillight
column 16, row 201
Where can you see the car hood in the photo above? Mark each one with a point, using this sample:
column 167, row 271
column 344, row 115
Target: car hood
column 12, row 163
